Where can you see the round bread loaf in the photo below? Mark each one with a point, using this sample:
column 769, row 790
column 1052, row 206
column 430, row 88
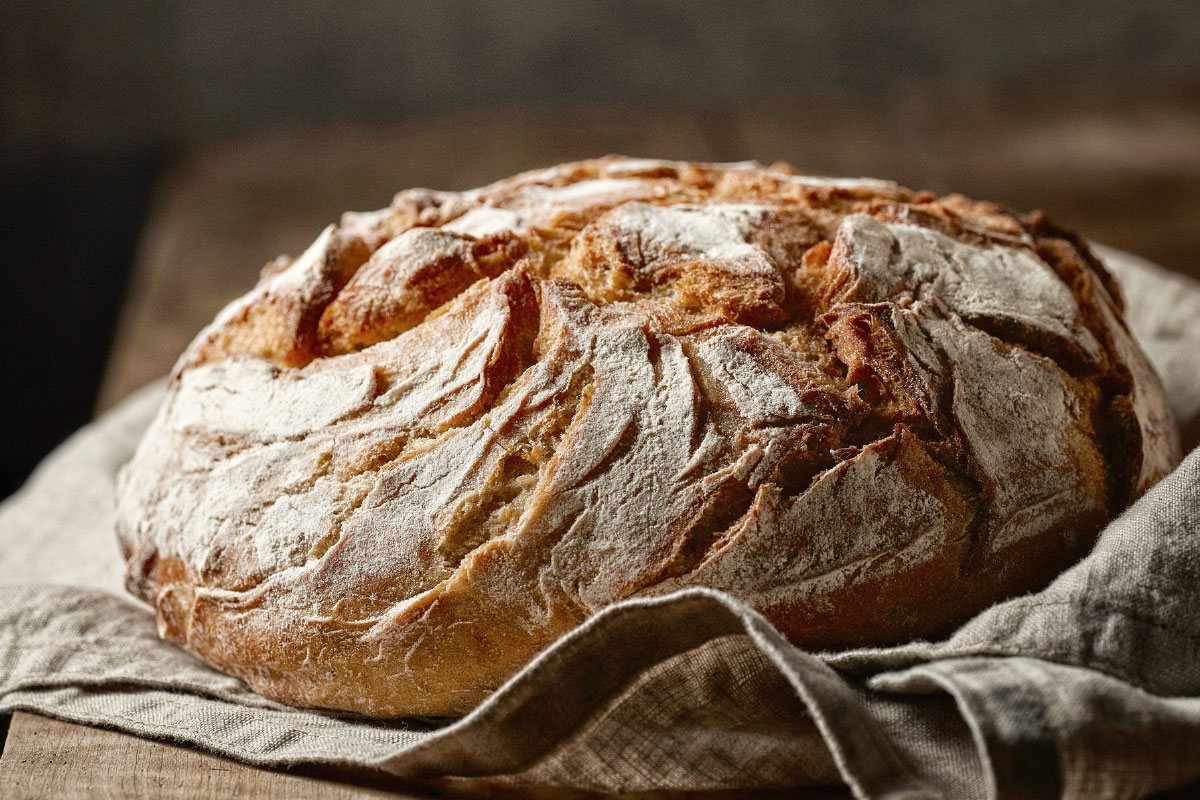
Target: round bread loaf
column 453, row 429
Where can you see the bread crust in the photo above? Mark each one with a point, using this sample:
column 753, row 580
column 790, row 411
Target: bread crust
column 452, row 430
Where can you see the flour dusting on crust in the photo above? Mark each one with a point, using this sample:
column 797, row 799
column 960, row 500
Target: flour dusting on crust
column 453, row 429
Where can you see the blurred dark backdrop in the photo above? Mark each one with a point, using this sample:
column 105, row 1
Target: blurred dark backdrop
column 98, row 98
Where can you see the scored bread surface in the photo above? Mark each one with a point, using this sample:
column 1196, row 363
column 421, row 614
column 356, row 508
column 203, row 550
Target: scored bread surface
column 452, row 430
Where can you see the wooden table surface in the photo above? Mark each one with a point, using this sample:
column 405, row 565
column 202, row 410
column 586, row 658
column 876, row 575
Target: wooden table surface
column 1118, row 161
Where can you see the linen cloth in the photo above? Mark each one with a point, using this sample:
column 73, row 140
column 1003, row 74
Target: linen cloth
column 1089, row 688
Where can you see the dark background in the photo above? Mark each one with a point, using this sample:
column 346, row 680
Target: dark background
column 97, row 99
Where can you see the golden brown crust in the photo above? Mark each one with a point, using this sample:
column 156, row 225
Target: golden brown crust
column 452, row 430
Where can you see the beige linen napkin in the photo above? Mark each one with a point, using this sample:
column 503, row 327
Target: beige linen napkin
column 1090, row 688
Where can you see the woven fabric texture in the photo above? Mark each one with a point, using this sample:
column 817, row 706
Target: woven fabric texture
column 1089, row 688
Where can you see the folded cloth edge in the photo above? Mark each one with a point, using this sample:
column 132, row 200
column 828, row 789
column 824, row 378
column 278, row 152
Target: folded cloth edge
column 865, row 751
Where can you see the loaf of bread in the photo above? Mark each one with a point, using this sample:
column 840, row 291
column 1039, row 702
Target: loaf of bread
column 454, row 429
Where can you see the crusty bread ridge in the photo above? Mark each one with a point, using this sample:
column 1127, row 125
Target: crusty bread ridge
column 453, row 429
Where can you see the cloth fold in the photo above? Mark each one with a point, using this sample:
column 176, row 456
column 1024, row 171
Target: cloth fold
column 1089, row 688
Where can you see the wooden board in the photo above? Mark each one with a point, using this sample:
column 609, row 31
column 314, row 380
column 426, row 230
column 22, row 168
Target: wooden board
column 1120, row 162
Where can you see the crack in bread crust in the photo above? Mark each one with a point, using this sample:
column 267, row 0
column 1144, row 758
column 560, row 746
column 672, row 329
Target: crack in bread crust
column 451, row 430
